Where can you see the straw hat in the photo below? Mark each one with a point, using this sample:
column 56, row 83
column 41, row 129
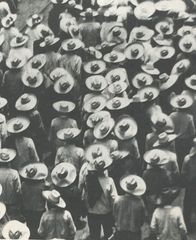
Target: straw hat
column 103, row 3
column 95, row 151
column 89, row 13
column 181, row 101
column 134, row 51
column 163, row 5
column 114, row 57
column 191, row 82
column 147, row 93
column 95, row 67
column 164, row 138
column 71, row 45
column 95, row 104
column 103, row 128
column 2, row 210
column 49, row 41
column 125, row 128
column 37, row 61
column 97, row 117
column 3, row 102
column 19, row 40
column 57, row 73
column 117, row 74
column 162, row 41
column 117, row 34
column 142, row 33
column 141, row 80
column 17, row 124
column 9, row 20
column 185, row 30
column 133, row 184
column 144, row 10
column 181, row 66
column 187, row 43
column 15, row 230
column 165, row 52
column 118, row 103
column 163, row 121
column 96, row 83
column 26, row 102
column 117, row 87
column 119, row 154
column 34, row 171
column 167, row 81
column 156, row 157
column 15, row 62
column 64, row 106
column 34, row 20
column 32, row 78
column 7, row 155
column 54, row 198
column 63, row 174
column 64, row 85
column 68, row 133
column 178, row 6
column 149, row 68
column 165, row 26
column 59, row 1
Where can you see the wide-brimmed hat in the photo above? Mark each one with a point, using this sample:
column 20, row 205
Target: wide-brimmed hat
column 15, row 62
column 125, row 128
column 181, row 66
column 19, row 40
column 71, row 45
column 96, row 83
column 165, row 52
column 95, row 104
column 164, row 138
column 167, row 81
column 163, row 121
column 64, row 106
column 54, row 198
column 163, row 5
column 89, row 13
column 63, row 174
column 133, row 184
column 9, row 20
column 97, row 117
column 34, row 20
column 118, row 103
column 59, row 1
column 32, row 78
column 117, row 74
column 142, row 33
column 68, row 133
column 149, row 68
column 103, row 128
column 156, row 157
column 95, row 67
column 191, row 82
column 117, row 34
column 114, row 57
column 134, row 51
column 178, row 6
column 119, row 154
column 183, row 100
column 2, row 210
column 160, row 40
column 37, row 61
column 7, row 155
column 165, row 26
column 57, row 73
column 103, row 3
column 185, row 30
column 34, row 171
column 64, row 85
column 3, row 102
column 117, row 87
column 141, row 80
column 26, row 102
column 147, row 93
column 144, row 10
column 187, row 43
column 15, row 230
column 49, row 41
column 18, row 124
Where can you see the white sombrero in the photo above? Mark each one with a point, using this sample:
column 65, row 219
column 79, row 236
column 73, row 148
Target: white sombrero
column 26, row 102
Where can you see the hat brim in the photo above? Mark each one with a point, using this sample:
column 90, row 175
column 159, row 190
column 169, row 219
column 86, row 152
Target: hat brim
column 61, row 203
column 188, row 83
column 10, row 66
column 120, row 58
column 58, row 73
column 40, row 58
column 89, row 82
column 162, row 160
column 153, row 71
column 87, row 105
column 102, row 115
column 3, row 102
column 56, row 2
column 61, row 134
column 11, row 153
column 42, row 171
column 57, row 88
column 37, row 74
column 120, row 72
column 113, row 88
column 103, row 3
column 10, row 125
column 185, row 50
column 43, row 44
column 78, row 45
column 26, row 107
column 96, row 132
column 2, row 210
column 186, row 64
column 124, row 102
column 169, row 83
column 14, row 43
column 139, row 47
column 144, row 10
column 56, row 106
column 174, row 102
column 171, row 52
column 101, row 64
column 171, row 137
column 149, row 80
column 141, row 93
column 3, row 21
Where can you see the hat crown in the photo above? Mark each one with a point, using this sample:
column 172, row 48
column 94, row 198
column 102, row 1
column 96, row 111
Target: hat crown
column 113, row 57
column 32, row 79
column 25, row 99
column 95, row 104
column 164, row 52
column 15, row 235
column 193, row 81
column 99, row 165
column 163, row 77
column 71, row 45
column 97, row 153
column 115, row 78
column 17, row 125
column 54, row 196
column 164, row 28
column 187, row 44
column 68, row 132
column 124, row 126
column 181, row 101
column 104, row 128
column 181, row 67
column 64, row 107
column 140, row 34
column 148, row 95
column 62, row 174
column 35, row 17
column 15, row 62
column 142, row 81
column 49, row 40
column 31, row 172
column 117, row 87
column 19, row 38
column 134, row 52
column 116, row 32
column 163, row 137
column 155, row 159
column 95, row 67
column 4, row 156
column 75, row 30
column 96, row 83
column 131, row 185
column 36, row 63
column 64, row 85
column 161, row 122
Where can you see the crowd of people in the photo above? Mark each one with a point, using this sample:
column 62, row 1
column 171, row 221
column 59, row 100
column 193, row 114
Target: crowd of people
column 97, row 120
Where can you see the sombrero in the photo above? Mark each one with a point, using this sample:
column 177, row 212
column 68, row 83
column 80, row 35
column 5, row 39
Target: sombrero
column 64, row 85
column 165, row 26
column 184, row 30
column 181, row 66
column 165, row 52
column 15, row 230
column 34, row 171
column 96, row 83
column 147, row 93
column 72, row 45
column 97, row 117
column 103, row 128
column 117, row 87
column 141, row 80
column 9, row 20
column 162, row 41
column 7, row 155
column 95, row 104
column 68, row 133
column 95, row 151
column 119, row 154
column 125, row 128
column 37, row 61
column 187, row 43
column 103, row 3
column 57, row 73
column 114, row 57
column 3, row 102
column 163, row 121
column 118, row 103
column 150, row 69
column 181, row 101
column 63, row 174
column 95, row 67
column 17, row 124
column 191, row 82
column 89, row 13
column 178, row 6
column 26, row 102
column 49, row 41
column 54, row 198
column 134, row 51
column 64, row 106
column 15, row 62
column 164, row 138
column 117, row 74
column 167, row 81
column 34, row 20
column 133, row 184
column 117, row 34
column 142, row 33
column 163, row 5
column 32, row 78
column 19, row 40
column 156, row 157
column 144, row 10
